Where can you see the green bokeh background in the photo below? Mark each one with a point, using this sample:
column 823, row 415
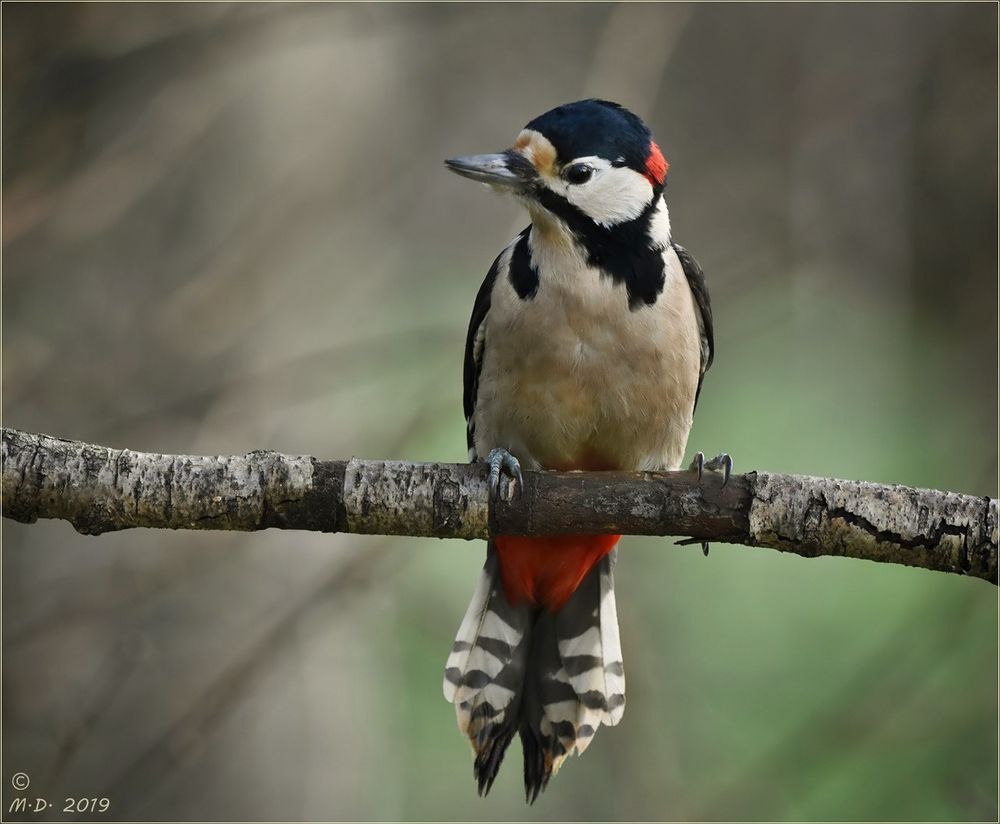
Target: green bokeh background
column 227, row 228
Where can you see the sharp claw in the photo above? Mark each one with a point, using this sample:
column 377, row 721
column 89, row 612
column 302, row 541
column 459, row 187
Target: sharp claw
column 698, row 464
column 690, row 541
column 724, row 462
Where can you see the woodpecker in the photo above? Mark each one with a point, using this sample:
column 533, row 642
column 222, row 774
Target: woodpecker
column 587, row 347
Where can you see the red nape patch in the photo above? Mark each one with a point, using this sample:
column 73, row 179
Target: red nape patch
column 546, row 570
column 656, row 165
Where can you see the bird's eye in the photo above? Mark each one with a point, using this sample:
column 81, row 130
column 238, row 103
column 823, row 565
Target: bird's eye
column 578, row 173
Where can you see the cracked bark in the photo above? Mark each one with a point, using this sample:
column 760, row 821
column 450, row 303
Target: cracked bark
column 99, row 489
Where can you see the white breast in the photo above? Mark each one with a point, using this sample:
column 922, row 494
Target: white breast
column 573, row 378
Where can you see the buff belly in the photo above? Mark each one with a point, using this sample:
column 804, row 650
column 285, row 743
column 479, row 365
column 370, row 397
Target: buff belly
column 574, row 379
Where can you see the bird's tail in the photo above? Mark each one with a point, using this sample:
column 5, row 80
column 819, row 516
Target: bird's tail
column 484, row 676
column 552, row 677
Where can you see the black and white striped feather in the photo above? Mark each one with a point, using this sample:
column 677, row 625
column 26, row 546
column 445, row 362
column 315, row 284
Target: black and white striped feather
column 553, row 678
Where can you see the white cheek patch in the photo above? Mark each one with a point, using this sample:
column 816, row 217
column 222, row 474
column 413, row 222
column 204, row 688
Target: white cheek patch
column 613, row 195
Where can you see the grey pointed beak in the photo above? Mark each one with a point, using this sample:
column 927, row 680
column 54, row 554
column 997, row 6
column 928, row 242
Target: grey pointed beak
column 509, row 169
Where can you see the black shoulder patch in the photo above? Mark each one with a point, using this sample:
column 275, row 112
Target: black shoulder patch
column 523, row 274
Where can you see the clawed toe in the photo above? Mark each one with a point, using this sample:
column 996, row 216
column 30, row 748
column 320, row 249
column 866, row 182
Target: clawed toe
column 500, row 460
column 690, row 541
column 723, row 462
column 698, row 464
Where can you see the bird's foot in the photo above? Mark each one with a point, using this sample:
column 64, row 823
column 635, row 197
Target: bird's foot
column 690, row 541
column 723, row 462
column 500, row 460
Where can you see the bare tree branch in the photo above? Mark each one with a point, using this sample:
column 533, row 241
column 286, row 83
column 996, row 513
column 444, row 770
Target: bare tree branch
column 98, row 489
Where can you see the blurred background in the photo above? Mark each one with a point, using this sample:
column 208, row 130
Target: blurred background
column 228, row 227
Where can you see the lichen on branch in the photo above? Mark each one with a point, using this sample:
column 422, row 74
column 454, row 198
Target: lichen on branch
column 99, row 489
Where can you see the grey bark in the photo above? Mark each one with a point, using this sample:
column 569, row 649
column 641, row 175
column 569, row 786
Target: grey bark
column 99, row 489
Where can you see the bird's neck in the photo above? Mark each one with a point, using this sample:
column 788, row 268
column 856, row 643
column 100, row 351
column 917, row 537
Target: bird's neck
column 630, row 253
column 569, row 226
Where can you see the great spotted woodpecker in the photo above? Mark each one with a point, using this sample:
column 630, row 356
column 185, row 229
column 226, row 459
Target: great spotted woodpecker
column 587, row 347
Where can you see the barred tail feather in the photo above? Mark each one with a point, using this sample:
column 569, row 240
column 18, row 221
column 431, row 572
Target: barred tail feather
column 552, row 677
column 485, row 672
column 611, row 647
column 579, row 678
column 468, row 631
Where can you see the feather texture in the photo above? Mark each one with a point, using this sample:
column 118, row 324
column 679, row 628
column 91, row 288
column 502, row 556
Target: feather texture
column 552, row 676
column 484, row 673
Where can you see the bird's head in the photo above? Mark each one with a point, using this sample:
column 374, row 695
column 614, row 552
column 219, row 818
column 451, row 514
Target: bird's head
column 590, row 161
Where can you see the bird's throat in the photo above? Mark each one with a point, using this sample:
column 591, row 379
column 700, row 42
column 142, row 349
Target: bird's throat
column 630, row 253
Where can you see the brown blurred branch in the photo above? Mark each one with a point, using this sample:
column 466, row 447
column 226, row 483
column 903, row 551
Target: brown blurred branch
column 98, row 489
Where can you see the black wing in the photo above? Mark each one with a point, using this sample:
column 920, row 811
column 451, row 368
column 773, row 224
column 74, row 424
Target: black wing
column 474, row 352
column 699, row 288
column 475, row 342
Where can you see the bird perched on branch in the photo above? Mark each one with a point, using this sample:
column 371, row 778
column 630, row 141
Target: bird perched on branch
column 587, row 347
